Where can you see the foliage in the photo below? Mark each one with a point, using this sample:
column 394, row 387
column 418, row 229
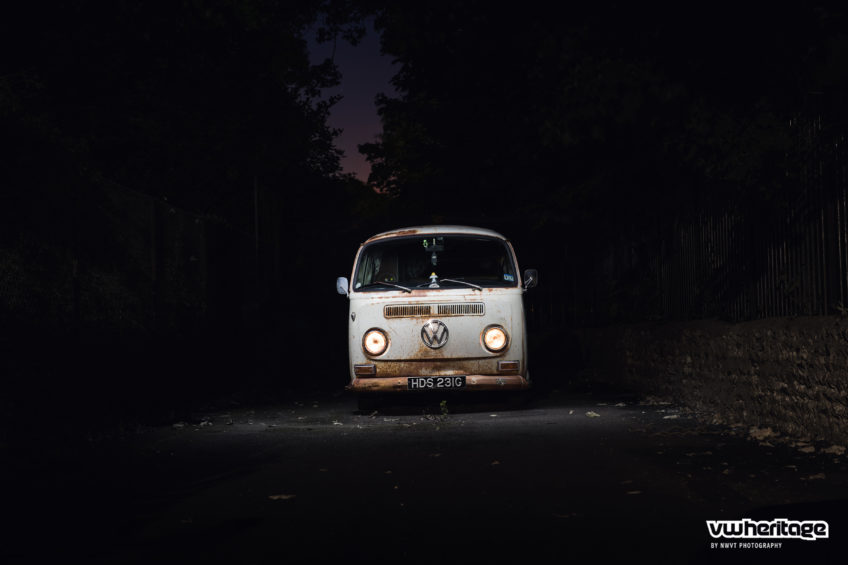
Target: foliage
column 596, row 117
column 189, row 101
column 126, row 125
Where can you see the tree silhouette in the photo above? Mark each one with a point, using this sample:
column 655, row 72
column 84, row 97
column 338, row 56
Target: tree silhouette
column 189, row 101
column 595, row 117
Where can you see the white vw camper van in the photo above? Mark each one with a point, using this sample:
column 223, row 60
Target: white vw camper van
column 436, row 308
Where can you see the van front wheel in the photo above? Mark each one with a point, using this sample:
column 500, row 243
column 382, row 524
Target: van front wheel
column 367, row 403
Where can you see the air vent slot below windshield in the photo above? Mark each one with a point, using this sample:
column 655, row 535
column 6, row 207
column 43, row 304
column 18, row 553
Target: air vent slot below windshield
column 463, row 309
column 424, row 310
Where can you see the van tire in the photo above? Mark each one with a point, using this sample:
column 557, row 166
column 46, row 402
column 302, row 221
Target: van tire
column 519, row 399
column 367, row 403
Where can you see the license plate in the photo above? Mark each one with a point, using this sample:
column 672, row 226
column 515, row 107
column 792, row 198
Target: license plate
column 432, row 383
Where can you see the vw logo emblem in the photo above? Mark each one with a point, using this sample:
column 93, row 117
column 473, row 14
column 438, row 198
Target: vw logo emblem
column 434, row 334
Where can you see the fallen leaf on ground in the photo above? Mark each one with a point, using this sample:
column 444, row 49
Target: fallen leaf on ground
column 654, row 401
column 760, row 433
column 835, row 450
column 593, row 414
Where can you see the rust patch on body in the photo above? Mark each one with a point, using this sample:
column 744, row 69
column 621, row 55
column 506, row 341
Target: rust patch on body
column 425, row 353
column 435, row 367
column 399, row 233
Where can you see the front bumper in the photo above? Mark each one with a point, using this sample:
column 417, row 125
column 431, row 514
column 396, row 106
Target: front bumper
column 472, row 383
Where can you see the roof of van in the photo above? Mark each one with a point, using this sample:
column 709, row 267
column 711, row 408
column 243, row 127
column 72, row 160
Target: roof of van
column 418, row 230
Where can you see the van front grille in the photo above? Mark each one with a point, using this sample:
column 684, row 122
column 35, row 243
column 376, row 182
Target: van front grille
column 422, row 310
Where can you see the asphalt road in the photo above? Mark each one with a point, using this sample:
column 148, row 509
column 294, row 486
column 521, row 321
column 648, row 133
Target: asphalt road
column 560, row 478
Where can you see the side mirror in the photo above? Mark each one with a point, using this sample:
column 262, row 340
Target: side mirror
column 341, row 285
column 531, row 278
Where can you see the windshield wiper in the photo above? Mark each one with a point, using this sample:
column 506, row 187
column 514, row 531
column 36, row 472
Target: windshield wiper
column 472, row 285
column 377, row 283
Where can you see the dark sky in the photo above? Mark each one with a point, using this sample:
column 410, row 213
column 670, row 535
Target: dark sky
column 365, row 72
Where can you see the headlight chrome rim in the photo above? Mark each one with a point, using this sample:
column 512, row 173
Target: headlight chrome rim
column 378, row 350
column 491, row 345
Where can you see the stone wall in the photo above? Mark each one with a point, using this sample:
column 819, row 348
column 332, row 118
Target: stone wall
column 788, row 374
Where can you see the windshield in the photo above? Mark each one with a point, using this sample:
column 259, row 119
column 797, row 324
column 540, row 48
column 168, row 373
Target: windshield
column 412, row 261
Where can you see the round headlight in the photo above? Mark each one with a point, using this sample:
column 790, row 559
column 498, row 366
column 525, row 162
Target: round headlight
column 375, row 342
column 494, row 338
